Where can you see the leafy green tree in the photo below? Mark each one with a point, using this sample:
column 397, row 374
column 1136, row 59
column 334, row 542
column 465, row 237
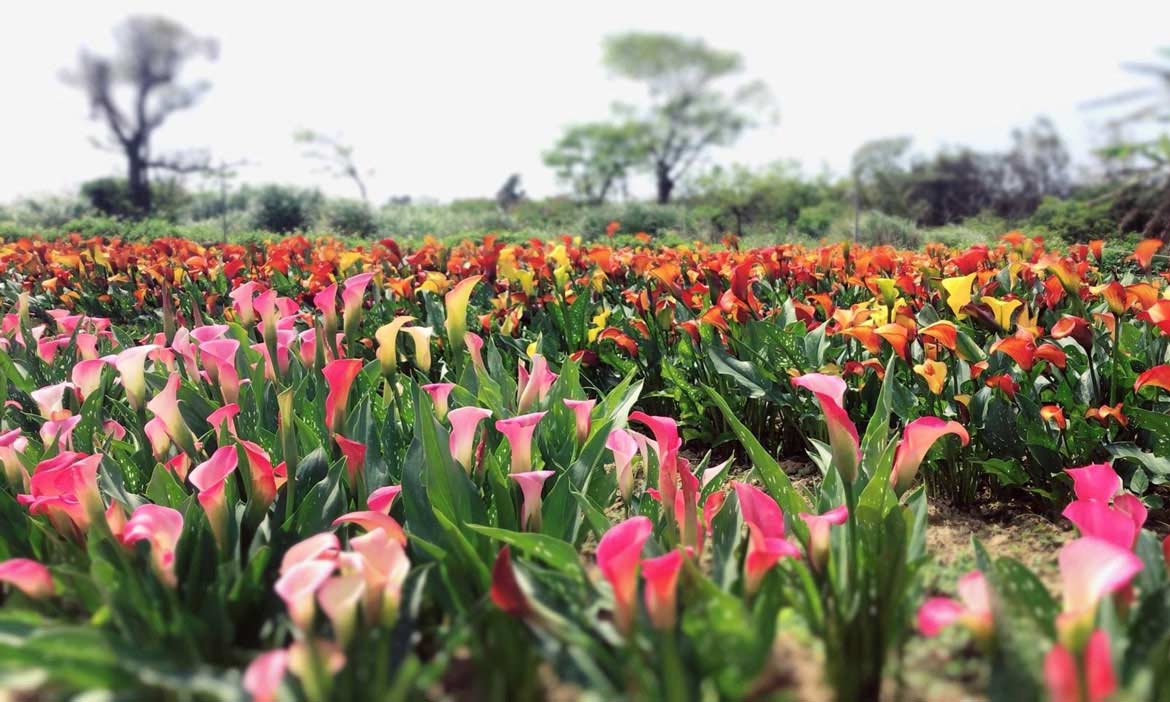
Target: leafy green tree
column 594, row 159
column 689, row 111
column 734, row 198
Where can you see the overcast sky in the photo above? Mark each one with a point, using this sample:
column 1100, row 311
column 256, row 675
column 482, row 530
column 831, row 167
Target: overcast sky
column 445, row 99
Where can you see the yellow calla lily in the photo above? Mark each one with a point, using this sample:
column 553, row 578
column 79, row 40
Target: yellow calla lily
column 387, row 337
column 934, row 373
column 958, row 293
column 1002, row 309
column 888, row 288
column 456, row 302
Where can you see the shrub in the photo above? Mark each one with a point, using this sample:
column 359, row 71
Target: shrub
column 1074, row 220
column 285, row 209
column 352, row 217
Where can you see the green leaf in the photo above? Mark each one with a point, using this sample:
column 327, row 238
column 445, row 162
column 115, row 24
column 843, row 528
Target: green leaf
column 553, row 551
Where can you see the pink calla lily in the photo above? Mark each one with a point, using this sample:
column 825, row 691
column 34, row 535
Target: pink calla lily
column 353, row 291
column 131, row 365
column 623, row 445
column 339, row 598
column 661, row 595
column 531, row 484
column 972, row 610
column 474, row 344
column 1066, row 680
column 461, row 442
column 519, row 431
column 582, row 409
column 339, row 375
column 298, row 588
column 382, row 499
column 619, row 553
column 1095, row 482
column 667, row 445
column 917, row 439
column 264, row 675
column 767, row 543
column 210, row 478
column 439, row 393
column 370, row 520
column 12, row 447
column 165, row 406
column 28, row 576
column 819, row 526
column 1091, row 569
column 87, row 376
column 829, row 391
column 319, row 547
column 160, row 527
column 355, row 457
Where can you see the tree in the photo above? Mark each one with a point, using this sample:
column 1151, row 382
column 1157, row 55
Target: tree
column 336, row 158
column 510, row 193
column 688, row 113
column 1036, row 167
column 150, row 53
column 594, row 159
column 881, row 178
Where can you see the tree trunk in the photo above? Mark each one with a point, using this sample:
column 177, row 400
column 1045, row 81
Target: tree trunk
column 138, row 183
column 665, row 184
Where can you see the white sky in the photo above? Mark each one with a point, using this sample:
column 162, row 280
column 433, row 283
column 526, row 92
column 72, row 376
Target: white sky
column 445, row 99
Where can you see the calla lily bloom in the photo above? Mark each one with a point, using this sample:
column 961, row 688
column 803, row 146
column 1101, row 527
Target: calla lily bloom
column 624, row 446
column 934, row 373
column 355, row 457
column 384, row 565
column 352, row 293
column 65, row 489
column 1095, row 482
column 519, row 431
column 582, row 409
column 1021, row 349
column 1144, row 252
column 161, row 527
column 767, row 543
column 843, row 439
column 264, row 675
column 224, row 419
column 1157, row 377
column 1003, row 310
column 242, row 297
column 1105, row 413
column 165, row 406
column 917, row 439
column 28, row 576
column 319, row 547
column 339, row 375
column 944, row 332
column 618, row 554
column 261, row 476
column 531, row 485
column 382, row 499
column 1054, row 414
column 371, row 520
column 506, row 592
column 819, row 526
column 298, row 587
column 339, row 599
column 387, row 338
column 439, row 393
column 667, row 445
column 1099, row 520
column 456, row 301
column 87, row 376
column 474, row 345
column 972, row 610
column 326, row 303
column 661, row 594
column 421, row 336
column 210, row 478
column 12, row 447
column 461, row 442
column 51, row 400
column 1090, row 569
column 1065, row 679
column 958, row 293
column 131, row 365
column 533, row 387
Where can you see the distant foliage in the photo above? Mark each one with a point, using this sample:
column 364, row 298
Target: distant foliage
column 285, row 209
column 351, row 217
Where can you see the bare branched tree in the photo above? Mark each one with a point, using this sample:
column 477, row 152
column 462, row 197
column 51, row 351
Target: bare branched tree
column 144, row 69
column 335, row 157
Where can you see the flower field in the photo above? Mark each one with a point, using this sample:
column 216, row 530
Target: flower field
column 564, row 470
